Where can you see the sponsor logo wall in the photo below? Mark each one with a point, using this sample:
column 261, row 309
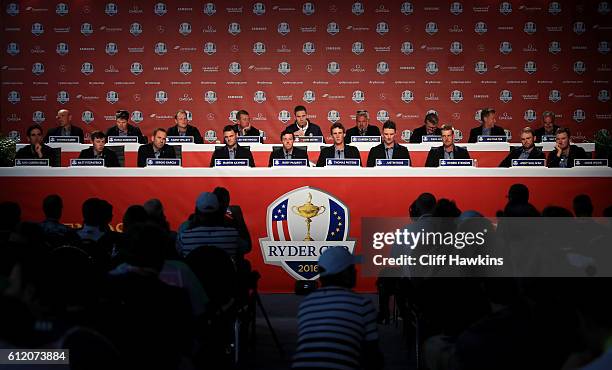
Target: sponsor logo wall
column 397, row 59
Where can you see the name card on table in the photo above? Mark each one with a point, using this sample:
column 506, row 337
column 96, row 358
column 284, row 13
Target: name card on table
column 431, row 138
column 249, row 139
column 549, row 138
column 232, row 162
column 33, row 162
column 283, row 162
column 342, row 162
column 392, row 162
column 179, row 139
column 94, row 162
column 528, row 163
column 123, row 139
column 590, row 163
column 64, row 139
column 365, row 139
column 309, row 139
column 456, row 162
column 492, row 138
column 153, row 162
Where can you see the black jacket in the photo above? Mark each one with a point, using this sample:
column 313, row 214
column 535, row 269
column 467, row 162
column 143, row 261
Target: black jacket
column 354, row 131
column 279, row 153
column 538, row 133
column 146, row 151
column 110, row 158
column 435, row 154
column 313, row 129
column 241, row 153
column 190, row 131
column 57, row 131
column 378, row 152
column 575, row 152
column 535, row 153
column 27, row 152
column 350, row 152
column 477, row 131
column 419, row 132
column 131, row 131
column 252, row 131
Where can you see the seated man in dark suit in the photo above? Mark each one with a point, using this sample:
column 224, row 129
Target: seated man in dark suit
column 488, row 127
column 564, row 154
column 157, row 148
column 448, row 150
column 549, row 128
column 98, row 150
column 182, row 128
column 37, row 149
column 66, row 128
column 288, row 151
column 429, row 128
column 231, row 150
column 123, row 128
column 302, row 125
column 389, row 148
column 243, row 127
column 527, row 151
column 339, row 150
column 362, row 128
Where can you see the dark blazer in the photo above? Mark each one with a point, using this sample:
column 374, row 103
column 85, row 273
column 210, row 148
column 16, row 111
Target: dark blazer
column 298, row 153
column 313, row 129
column 378, row 152
column 110, row 158
column 435, row 154
column 146, row 151
column 575, row 152
column 354, row 131
column 350, row 152
column 538, row 133
column 252, row 131
column 241, row 153
column 190, row 131
column 419, row 132
column 477, row 131
column 57, row 131
column 27, row 152
column 535, row 153
column 132, row 131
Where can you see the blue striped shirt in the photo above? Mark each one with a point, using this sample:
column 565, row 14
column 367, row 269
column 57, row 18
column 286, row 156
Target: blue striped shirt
column 226, row 238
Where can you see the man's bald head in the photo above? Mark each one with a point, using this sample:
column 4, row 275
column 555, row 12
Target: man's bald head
column 64, row 117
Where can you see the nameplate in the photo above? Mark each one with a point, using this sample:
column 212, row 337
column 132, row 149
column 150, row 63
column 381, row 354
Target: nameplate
column 179, row 139
column 34, row 162
column 365, row 139
column 249, row 139
column 342, row 162
column 289, row 162
column 152, row 162
column 456, row 162
column 309, row 139
column 549, row 138
column 64, row 139
column 94, row 162
column 528, row 162
column 431, row 138
column 492, row 138
column 123, row 139
column 590, row 163
column 232, row 162
column 392, row 162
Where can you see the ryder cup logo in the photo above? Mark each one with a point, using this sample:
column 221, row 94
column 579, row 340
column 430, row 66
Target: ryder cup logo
column 233, row 28
column 456, row 8
column 209, row 9
column 431, row 68
column 358, row 96
column 259, row 48
column 259, row 9
column 14, row 97
column 357, row 8
column 480, row 67
column 210, row 48
column 284, row 68
column 407, row 8
column 456, row 48
column 302, row 224
column 234, row 68
column 112, row 97
column 136, row 68
column 382, row 116
column 477, row 115
column 554, row 96
column 38, row 68
column 530, row 115
column 554, row 47
column 505, row 47
column 357, row 48
column 333, row 116
column 160, row 48
column 333, row 28
column 160, row 9
column 382, row 28
column 579, row 28
column 87, row 68
column 37, row 29
column 111, row 9
column 161, row 97
column 579, row 115
column 530, row 28
column 38, row 117
column 406, row 135
column 12, row 49
column 505, row 96
column 505, row 8
column 12, row 9
column 283, row 28
column 308, row 8
column 382, row 68
column 554, row 8
column 333, row 68
column 111, row 48
column 480, row 28
column 508, row 134
column 407, row 48
column 431, row 28
column 603, row 47
column 210, row 136
column 63, row 97
column 259, row 97
column 458, row 135
column 579, row 67
column 86, row 29
column 284, row 116
column 232, row 116
column 185, row 68
column 603, row 96
column 456, row 96
column 407, row 96
column 62, row 48
column 185, row 29
column 137, row 116
column 135, row 29
column 309, row 96
column 603, row 8
column 308, row 48
column 210, row 97
column 87, row 117
column 530, row 67
column 61, row 9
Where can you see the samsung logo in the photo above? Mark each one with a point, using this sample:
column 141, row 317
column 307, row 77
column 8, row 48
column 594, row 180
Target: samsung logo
column 160, row 68
column 333, row 48
column 184, row 9
column 259, row 28
column 136, row 50
column 87, row 49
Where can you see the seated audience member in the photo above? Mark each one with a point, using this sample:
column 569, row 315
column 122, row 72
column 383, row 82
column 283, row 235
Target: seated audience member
column 244, row 127
column 362, row 127
column 52, row 207
column 337, row 327
column 183, row 128
column 448, row 150
column 66, row 128
column 564, row 154
column 488, row 126
column 99, row 151
column 92, row 220
column 549, row 128
column 339, row 150
column 37, row 149
column 429, row 128
column 134, row 215
column 527, row 150
column 518, row 194
column 302, row 125
column 10, row 218
column 231, row 150
column 123, row 128
column 389, row 148
column 157, row 148
column 233, row 216
column 288, row 151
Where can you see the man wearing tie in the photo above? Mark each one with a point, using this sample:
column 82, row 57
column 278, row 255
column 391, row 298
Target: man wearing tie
column 231, row 150
column 362, row 127
column 157, row 148
column 448, row 150
column 339, row 150
column 288, row 151
column 389, row 148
